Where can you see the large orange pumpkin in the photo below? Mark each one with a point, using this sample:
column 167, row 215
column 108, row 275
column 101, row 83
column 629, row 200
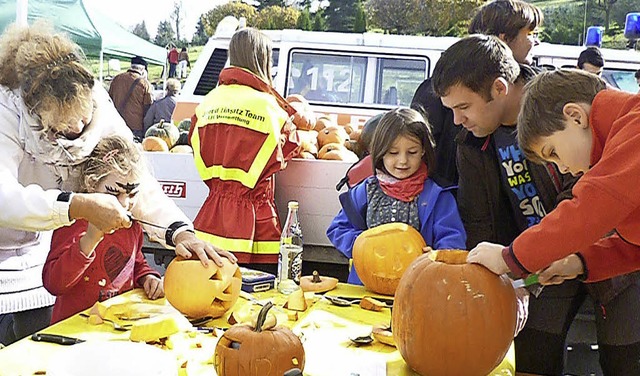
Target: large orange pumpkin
column 166, row 131
column 382, row 254
column 245, row 350
column 197, row 291
column 453, row 318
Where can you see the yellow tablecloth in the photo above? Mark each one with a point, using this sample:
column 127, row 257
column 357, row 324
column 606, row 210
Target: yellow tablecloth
column 325, row 330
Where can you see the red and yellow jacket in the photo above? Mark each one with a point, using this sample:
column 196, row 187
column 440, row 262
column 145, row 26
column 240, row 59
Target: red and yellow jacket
column 607, row 197
column 240, row 141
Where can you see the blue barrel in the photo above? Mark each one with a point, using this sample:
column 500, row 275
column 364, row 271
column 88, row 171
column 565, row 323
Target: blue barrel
column 632, row 26
column 594, row 36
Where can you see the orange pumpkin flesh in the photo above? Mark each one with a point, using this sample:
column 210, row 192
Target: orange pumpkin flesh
column 153, row 143
column 245, row 350
column 197, row 291
column 453, row 318
column 382, row 254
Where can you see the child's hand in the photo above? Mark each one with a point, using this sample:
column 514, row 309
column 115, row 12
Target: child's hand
column 153, row 287
column 569, row 267
column 90, row 240
column 489, row 255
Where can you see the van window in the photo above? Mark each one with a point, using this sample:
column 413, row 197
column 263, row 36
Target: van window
column 398, row 80
column 622, row 79
column 209, row 78
column 327, row 78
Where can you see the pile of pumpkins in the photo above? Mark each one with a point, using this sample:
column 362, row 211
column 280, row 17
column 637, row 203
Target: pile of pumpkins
column 165, row 136
column 321, row 137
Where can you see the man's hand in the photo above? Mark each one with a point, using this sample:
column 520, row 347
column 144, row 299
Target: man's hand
column 186, row 243
column 489, row 255
column 559, row 271
column 102, row 210
column 152, row 286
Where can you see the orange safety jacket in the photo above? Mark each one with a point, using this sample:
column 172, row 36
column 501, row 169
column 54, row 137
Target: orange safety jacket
column 239, row 143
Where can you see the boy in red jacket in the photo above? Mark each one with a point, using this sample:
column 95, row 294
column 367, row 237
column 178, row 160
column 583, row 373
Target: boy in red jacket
column 569, row 117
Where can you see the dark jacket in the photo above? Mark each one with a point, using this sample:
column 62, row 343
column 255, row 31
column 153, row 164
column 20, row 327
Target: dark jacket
column 486, row 211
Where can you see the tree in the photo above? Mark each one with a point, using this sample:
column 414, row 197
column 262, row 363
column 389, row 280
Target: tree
column 341, row 15
column 277, row 18
column 360, row 22
column 165, row 34
column 607, row 6
column 304, row 20
column 563, row 24
column 141, row 31
column 177, row 17
column 263, row 4
column 200, row 37
column 319, row 23
column 233, row 8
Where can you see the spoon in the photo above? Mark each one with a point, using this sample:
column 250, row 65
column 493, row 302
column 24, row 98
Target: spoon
column 340, row 301
column 116, row 326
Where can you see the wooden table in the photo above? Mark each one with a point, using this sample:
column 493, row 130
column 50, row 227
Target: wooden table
column 324, row 328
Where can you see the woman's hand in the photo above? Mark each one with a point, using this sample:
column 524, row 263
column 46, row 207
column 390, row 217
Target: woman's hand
column 186, row 243
column 153, row 287
column 102, row 210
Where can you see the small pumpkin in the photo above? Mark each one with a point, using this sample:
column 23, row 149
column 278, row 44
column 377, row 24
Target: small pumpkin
column 316, row 283
column 382, row 254
column 182, row 149
column 323, row 122
column 471, row 316
column 332, row 134
column 337, row 152
column 258, row 350
column 197, row 291
column 166, row 131
column 304, row 118
column 153, row 143
column 183, row 139
column 184, row 125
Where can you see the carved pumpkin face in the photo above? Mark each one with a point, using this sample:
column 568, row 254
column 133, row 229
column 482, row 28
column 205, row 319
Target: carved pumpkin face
column 245, row 350
column 197, row 291
column 382, row 254
column 471, row 316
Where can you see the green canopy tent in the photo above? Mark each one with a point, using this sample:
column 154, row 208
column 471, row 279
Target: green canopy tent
column 98, row 35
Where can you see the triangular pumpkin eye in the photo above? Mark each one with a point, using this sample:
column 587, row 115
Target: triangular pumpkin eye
column 217, row 276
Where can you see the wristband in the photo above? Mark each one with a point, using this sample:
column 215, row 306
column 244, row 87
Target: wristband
column 171, row 230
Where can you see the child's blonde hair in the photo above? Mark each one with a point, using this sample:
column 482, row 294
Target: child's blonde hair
column 47, row 68
column 111, row 154
column 541, row 112
column 251, row 49
column 402, row 121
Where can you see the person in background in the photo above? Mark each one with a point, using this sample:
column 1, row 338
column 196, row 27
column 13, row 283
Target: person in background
column 516, row 23
column 637, row 75
column 172, row 56
column 402, row 156
column 243, row 116
column 163, row 108
column 501, row 194
column 591, row 60
column 52, row 115
column 85, row 265
column 183, row 63
column 131, row 94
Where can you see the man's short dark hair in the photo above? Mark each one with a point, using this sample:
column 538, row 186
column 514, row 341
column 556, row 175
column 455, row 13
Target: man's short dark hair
column 591, row 55
column 475, row 62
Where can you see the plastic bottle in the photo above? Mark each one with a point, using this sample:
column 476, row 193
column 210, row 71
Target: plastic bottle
column 290, row 257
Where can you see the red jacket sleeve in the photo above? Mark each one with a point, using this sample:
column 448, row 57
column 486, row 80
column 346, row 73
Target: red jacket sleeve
column 65, row 263
column 141, row 267
column 610, row 257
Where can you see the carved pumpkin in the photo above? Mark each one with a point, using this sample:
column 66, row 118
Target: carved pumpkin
column 197, row 291
column 382, row 254
column 453, row 318
column 153, row 143
column 258, row 350
column 332, row 134
column 166, row 131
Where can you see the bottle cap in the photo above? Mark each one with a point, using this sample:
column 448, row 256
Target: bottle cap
column 293, row 205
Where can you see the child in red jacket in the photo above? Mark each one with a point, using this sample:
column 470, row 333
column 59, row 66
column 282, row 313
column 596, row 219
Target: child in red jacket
column 569, row 117
column 85, row 265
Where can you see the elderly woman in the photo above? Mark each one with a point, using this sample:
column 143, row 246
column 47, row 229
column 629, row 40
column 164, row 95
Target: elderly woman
column 52, row 114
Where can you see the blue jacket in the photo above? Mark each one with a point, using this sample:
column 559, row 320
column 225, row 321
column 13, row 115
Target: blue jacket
column 440, row 223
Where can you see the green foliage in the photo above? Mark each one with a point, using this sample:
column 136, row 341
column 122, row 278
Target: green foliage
column 141, row 31
column 165, row 34
column 263, row 4
column 341, row 15
column 276, row 18
column 233, row 8
column 304, row 20
column 360, row 22
column 563, row 24
column 319, row 23
column 200, row 37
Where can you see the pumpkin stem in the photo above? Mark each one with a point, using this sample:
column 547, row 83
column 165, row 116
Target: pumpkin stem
column 262, row 316
column 316, row 277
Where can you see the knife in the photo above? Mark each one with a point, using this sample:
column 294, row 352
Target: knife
column 132, row 218
column 56, row 338
column 532, row 279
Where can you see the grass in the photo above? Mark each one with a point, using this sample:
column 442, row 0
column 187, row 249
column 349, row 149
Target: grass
column 552, row 3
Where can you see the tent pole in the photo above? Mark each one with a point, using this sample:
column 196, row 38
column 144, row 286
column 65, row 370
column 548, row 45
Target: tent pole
column 101, row 65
